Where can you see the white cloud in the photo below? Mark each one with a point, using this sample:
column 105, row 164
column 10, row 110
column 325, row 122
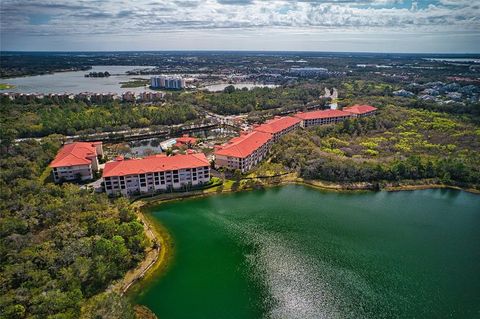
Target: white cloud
column 22, row 18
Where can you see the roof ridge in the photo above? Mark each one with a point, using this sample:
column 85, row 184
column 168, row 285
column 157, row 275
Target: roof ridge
column 76, row 153
column 155, row 164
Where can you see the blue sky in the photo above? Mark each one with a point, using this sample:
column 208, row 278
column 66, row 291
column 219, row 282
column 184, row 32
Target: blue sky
column 436, row 26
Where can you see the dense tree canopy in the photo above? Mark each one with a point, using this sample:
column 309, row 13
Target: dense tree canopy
column 243, row 101
column 395, row 145
column 69, row 118
column 59, row 245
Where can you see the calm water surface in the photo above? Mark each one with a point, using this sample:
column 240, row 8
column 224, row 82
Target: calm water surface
column 76, row 82
column 295, row 252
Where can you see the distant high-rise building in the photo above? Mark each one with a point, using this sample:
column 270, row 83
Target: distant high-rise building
column 167, row 82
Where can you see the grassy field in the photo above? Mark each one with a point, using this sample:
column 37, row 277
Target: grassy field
column 5, row 86
column 135, row 83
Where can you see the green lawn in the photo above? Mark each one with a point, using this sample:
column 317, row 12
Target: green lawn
column 5, row 86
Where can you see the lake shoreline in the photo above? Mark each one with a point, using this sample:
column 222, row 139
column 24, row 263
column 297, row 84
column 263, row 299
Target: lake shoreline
column 142, row 293
column 75, row 82
column 156, row 258
column 388, row 187
column 159, row 259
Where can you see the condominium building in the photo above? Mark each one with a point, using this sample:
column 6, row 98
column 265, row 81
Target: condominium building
column 102, row 97
column 279, row 126
column 243, row 152
column 129, row 96
column 322, row 117
column 360, row 110
column 167, row 82
column 185, row 140
column 155, row 173
column 151, row 96
column 57, row 97
column 76, row 161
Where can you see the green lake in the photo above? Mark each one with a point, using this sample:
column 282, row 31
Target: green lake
column 296, row 252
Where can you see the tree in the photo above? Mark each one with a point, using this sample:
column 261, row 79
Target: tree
column 229, row 89
column 65, row 244
column 7, row 136
column 107, row 306
column 237, row 174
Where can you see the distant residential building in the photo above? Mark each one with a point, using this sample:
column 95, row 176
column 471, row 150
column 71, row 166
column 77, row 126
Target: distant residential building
column 321, row 117
column 432, row 92
column 76, row 161
column 27, row 97
column 167, row 82
column 102, row 97
column 360, row 110
column 155, row 173
column 279, row 126
column 128, row 96
column 436, row 84
column 451, row 87
column 456, row 96
column 185, row 140
column 404, row 93
column 57, row 97
column 243, row 152
column 309, row 71
column 427, row 97
column 151, row 96
column 165, row 145
column 83, row 96
column 9, row 96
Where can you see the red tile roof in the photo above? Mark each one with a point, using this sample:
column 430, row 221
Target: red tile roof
column 154, row 164
column 322, row 114
column 156, row 155
column 359, row 109
column 277, row 124
column 78, row 153
column 244, row 145
column 185, row 139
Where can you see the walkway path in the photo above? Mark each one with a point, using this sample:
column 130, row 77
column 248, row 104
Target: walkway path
column 153, row 253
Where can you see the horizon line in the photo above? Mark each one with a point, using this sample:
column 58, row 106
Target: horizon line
column 241, row 51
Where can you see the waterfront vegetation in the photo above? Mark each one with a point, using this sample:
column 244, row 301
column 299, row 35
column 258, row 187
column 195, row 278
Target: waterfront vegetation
column 60, row 246
column 397, row 144
column 5, row 86
column 135, row 83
